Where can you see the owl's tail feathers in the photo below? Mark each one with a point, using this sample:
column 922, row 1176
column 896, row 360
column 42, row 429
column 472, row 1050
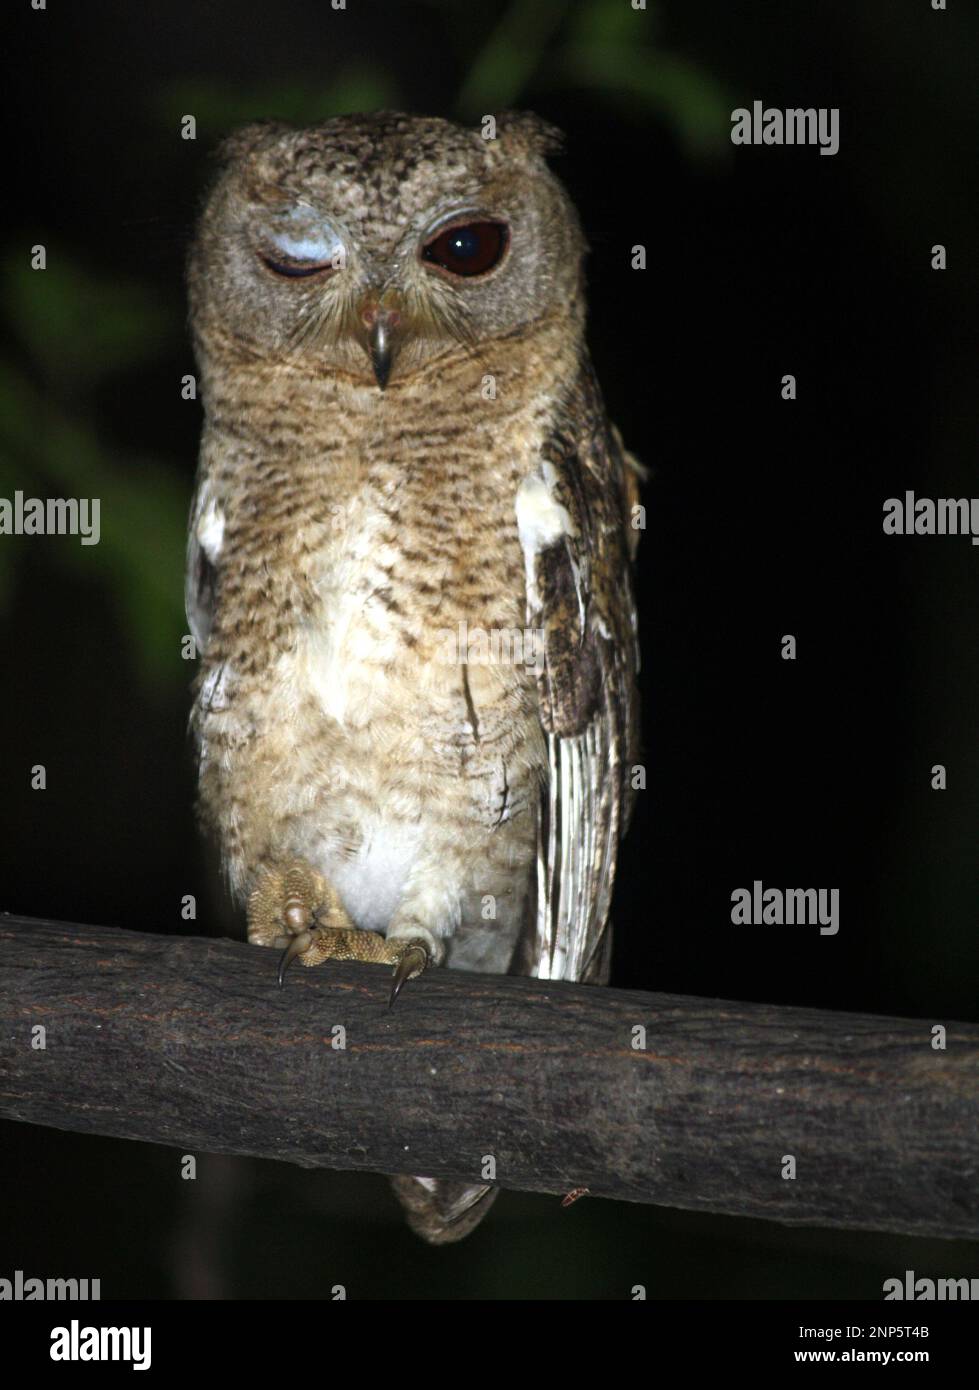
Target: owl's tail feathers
column 440, row 1211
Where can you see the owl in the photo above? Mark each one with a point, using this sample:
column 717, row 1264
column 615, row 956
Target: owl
column 410, row 558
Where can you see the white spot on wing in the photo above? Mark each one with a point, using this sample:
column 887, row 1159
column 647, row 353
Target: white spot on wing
column 210, row 530
column 541, row 522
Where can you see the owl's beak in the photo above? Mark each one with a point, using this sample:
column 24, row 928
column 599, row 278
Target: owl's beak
column 381, row 322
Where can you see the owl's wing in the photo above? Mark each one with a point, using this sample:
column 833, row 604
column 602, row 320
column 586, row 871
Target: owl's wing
column 204, row 543
column 574, row 517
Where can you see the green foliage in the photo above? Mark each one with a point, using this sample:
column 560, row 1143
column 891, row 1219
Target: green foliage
column 79, row 327
column 503, row 69
column 647, row 81
column 607, row 48
column 219, row 107
column 537, row 49
column 77, row 331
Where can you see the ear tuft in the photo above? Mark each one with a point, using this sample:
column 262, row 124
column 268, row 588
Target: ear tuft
column 247, row 139
column 523, row 132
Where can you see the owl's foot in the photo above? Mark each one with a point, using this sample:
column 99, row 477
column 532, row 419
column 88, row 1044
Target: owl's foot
column 288, row 899
column 317, row 944
column 295, row 909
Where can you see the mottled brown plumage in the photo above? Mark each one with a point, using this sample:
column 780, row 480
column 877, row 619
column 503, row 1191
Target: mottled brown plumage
column 399, row 455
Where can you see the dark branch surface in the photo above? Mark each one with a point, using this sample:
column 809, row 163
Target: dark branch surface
column 187, row 1041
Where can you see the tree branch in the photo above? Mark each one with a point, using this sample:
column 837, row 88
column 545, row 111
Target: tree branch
column 188, row 1041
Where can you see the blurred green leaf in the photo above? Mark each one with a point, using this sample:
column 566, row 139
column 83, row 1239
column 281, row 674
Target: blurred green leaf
column 606, row 46
column 691, row 100
column 143, row 514
column 79, row 327
column 614, row 22
column 510, row 57
column 362, row 89
column 219, row 107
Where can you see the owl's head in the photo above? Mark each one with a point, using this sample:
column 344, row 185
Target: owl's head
column 373, row 245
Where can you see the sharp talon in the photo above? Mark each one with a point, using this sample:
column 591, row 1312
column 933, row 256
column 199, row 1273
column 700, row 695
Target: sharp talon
column 412, row 963
column 296, row 946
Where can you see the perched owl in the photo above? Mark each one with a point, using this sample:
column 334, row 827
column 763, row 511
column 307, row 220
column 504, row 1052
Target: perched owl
column 409, row 569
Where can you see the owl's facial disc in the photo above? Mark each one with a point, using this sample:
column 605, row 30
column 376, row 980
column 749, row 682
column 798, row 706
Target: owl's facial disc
column 377, row 251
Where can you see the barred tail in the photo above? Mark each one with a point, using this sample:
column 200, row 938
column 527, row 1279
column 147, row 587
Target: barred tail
column 441, row 1211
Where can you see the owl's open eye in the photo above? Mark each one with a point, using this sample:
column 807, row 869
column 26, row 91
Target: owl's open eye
column 471, row 249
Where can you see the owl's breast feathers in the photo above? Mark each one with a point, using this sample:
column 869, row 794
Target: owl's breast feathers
column 363, row 585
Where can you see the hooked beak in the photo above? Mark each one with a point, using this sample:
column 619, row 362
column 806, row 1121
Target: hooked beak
column 382, row 322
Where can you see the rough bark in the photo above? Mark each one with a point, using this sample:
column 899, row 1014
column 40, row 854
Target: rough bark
column 188, row 1041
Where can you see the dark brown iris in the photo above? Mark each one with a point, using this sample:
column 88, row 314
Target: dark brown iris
column 472, row 249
